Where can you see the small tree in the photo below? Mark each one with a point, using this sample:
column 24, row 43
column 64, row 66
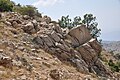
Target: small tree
column 6, row 5
column 77, row 21
column 89, row 21
column 65, row 22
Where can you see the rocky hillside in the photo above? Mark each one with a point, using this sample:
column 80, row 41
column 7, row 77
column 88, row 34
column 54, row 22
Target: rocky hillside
column 39, row 49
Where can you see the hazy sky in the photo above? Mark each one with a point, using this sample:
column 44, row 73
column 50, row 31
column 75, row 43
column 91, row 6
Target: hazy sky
column 106, row 11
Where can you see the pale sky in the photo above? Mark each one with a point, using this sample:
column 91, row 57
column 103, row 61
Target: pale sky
column 106, row 11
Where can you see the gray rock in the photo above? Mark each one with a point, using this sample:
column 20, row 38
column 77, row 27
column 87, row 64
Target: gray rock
column 73, row 41
column 81, row 65
column 101, row 70
column 36, row 26
column 59, row 45
column 66, row 48
column 57, row 28
column 47, row 40
column 54, row 36
column 34, row 22
column 38, row 40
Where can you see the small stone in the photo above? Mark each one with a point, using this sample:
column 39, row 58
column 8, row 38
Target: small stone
column 8, row 23
column 23, row 77
column 26, row 17
column 1, row 50
column 46, row 64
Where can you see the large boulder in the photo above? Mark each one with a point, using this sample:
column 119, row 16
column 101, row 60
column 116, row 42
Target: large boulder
column 88, row 54
column 90, row 51
column 95, row 45
column 80, row 35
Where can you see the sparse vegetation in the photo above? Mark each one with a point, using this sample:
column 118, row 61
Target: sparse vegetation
column 27, row 10
column 115, row 67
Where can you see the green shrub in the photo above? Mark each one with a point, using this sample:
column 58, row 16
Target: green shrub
column 89, row 21
column 115, row 67
column 6, row 5
column 110, row 63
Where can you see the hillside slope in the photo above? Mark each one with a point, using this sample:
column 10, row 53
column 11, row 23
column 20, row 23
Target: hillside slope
column 38, row 49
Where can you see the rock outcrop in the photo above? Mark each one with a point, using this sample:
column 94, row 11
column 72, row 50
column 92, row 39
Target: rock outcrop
column 76, row 47
column 27, row 36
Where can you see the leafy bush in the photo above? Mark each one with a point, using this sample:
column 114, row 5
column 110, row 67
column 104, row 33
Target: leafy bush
column 110, row 63
column 115, row 67
column 27, row 10
column 76, row 21
column 6, row 5
column 88, row 20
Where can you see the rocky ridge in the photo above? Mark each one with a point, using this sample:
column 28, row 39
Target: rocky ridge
column 112, row 46
column 38, row 49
